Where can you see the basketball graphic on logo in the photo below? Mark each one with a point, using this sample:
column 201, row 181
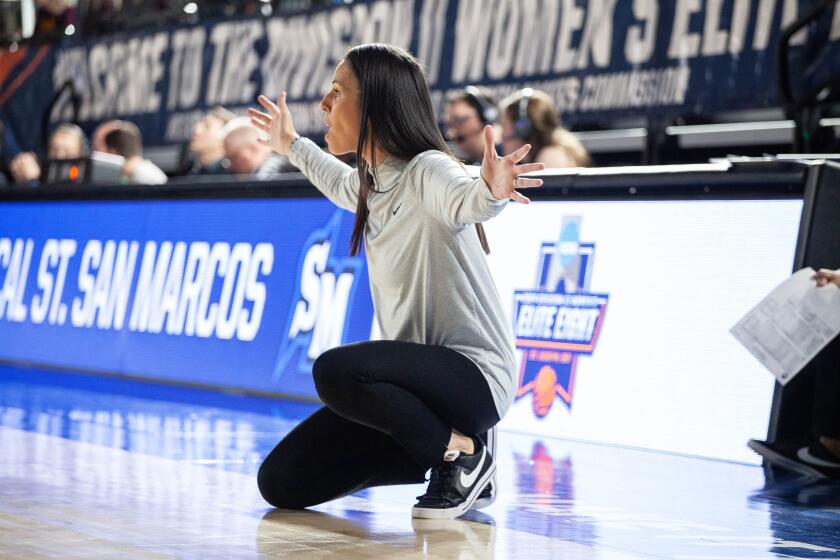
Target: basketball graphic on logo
column 544, row 389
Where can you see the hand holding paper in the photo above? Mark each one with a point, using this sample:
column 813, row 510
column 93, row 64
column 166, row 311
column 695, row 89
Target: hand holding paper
column 793, row 322
column 825, row 277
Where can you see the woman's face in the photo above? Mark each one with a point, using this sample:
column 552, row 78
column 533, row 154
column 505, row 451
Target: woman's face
column 510, row 141
column 463, row 125
column 342, row 111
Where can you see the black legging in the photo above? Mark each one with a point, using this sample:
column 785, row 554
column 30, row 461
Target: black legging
column 390, row 411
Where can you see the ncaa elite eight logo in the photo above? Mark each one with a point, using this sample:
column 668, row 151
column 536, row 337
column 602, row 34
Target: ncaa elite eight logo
column 559, row 320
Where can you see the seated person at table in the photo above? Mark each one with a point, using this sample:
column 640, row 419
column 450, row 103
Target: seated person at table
column 125, row 140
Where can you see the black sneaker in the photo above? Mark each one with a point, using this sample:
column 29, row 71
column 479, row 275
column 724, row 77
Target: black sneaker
column 487, row 496
column 455, row 485
column 813, row 461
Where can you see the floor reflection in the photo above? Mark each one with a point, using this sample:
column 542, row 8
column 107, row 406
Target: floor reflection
column 365, row 535
column 232, row 432
column 548, row 483
column 804, row 514
column 89, row 467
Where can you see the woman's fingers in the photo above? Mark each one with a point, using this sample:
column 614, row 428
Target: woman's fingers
column 528, row 168
column 260, row 126
column 503, row 172
column 275, row 123
column 525, row 182
column 258, row 115
column 517, row 197
column 274, row 109
column 269, row 105
column 260, row 123
column 489, row 143
column 520, row 153
column 824, row 277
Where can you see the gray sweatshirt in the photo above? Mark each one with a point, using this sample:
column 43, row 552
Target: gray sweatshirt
column 428, row 275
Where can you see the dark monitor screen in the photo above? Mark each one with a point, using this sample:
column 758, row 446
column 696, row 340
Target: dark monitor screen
column 94, row 169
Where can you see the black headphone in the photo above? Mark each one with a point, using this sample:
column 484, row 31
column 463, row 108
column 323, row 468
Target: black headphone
column 522, row 126
column 488, row 113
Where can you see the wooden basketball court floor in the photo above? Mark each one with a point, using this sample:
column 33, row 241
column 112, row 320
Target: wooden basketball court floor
column 101, row 468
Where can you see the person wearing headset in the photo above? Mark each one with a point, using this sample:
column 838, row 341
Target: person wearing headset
column 528, row 116
column 466, row 114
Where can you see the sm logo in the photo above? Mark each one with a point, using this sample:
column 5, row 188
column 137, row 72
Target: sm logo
column 322, row 307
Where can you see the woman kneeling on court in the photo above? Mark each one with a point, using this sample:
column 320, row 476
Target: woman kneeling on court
column 444, row 373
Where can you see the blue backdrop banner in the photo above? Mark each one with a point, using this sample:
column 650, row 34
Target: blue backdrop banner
column 235, row 293
column 599, row 60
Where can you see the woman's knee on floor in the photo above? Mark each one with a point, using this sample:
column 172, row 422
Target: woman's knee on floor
column 277, row 488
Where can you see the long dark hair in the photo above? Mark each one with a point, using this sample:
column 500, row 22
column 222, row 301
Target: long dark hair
column 396, row 115
column 543, row 126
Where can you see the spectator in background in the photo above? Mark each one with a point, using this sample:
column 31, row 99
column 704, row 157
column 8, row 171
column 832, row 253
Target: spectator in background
column 125, row 140
column 529, row 117
column 205, row 152
column 466, row 114
column 248, row 156
column 819, row 457
column 66, row 142
column 97, row 139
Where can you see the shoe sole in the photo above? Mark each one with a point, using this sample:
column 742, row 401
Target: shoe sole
column 460, row 509
column 779, row 460
column 481, row 503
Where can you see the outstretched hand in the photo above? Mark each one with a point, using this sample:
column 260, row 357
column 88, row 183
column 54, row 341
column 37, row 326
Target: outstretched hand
column 502, row 174
column 276, row 122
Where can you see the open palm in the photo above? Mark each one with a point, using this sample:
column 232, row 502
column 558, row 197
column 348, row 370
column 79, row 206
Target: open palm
column 276, row 123
column 502, row 173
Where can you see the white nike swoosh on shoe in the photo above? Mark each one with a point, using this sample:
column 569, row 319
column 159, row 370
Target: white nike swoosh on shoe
column 467, row 480
column 805, row 455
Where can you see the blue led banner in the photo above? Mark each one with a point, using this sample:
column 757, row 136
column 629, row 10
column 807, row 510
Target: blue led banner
column 246, row 293
column 598, row 60
column 238, row 293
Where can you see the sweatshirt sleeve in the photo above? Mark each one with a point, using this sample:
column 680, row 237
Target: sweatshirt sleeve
column 448, row 193
column 338, row 181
